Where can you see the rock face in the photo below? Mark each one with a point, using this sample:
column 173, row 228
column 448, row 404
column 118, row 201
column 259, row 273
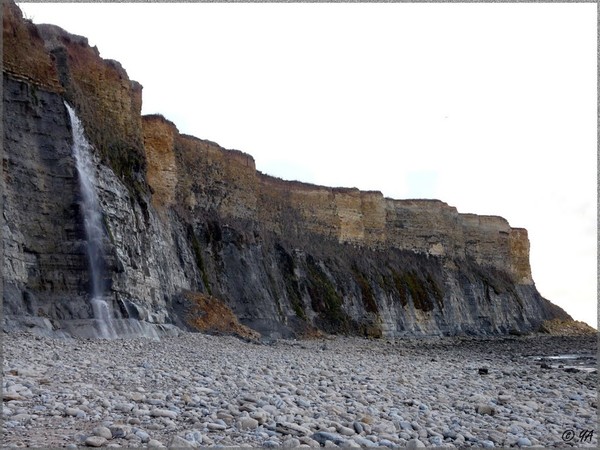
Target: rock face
column 183, row 215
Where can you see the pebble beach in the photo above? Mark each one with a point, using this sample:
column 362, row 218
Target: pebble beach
column 198, row 390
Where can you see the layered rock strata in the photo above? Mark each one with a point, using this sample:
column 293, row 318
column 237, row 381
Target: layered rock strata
column 185, row 215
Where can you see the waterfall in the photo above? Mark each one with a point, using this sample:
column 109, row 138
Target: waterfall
column 94, row 230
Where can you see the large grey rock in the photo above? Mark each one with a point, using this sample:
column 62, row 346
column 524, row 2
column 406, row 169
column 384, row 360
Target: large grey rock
column 485, row 409
column 102, row 432
column 179, row 442
column 323, row 436
column 247, row 423
column 414, row 443
column 95, row 441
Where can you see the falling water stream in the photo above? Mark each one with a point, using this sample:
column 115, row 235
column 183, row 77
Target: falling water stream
column 94, row 229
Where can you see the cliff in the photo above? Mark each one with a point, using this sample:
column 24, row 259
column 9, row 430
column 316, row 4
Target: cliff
column 186, row 219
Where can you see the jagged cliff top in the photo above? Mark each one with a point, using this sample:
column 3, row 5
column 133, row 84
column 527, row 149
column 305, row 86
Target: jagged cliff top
column 24, row 54
column 302, row 185
column 36, row 60
column 48, row 36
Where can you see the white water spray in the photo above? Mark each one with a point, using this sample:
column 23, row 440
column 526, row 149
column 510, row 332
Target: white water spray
column 94, row 230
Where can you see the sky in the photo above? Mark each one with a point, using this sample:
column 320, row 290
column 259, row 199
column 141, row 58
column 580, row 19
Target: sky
column 491, row 108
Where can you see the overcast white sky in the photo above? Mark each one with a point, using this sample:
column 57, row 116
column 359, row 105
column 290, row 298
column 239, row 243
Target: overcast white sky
column 491, row 108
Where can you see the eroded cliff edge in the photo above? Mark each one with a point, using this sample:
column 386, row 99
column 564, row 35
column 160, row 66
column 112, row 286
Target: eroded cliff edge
column 185, row 216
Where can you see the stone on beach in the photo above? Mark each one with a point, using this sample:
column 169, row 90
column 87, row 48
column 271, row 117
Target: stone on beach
column 102, row 432
column 95, row 441
column 414, row 443
column 163, row 413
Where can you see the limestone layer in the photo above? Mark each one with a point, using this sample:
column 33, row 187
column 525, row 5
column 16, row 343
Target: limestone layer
column 210, row 177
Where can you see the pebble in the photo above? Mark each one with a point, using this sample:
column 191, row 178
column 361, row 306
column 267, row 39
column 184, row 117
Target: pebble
column 179, row 442
column 95, row 441
column 144, row 437
column 363, row 442
column 358, row 427
column 392, row 394
column 23, row 418
column 414, row 443
column 163, row 413
column 102, row 432
column 322, row 437
column 485, row 409
column 119, row 431
column 292, row 428
column 74, row 412
column 523, row 442
column 291, row 443
column 260, row 416
column 137, row 397
column 124, row 407
column 436, row 441
column 404, row 425
column 248, row 423
column 345, row 431
column 503, row 399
